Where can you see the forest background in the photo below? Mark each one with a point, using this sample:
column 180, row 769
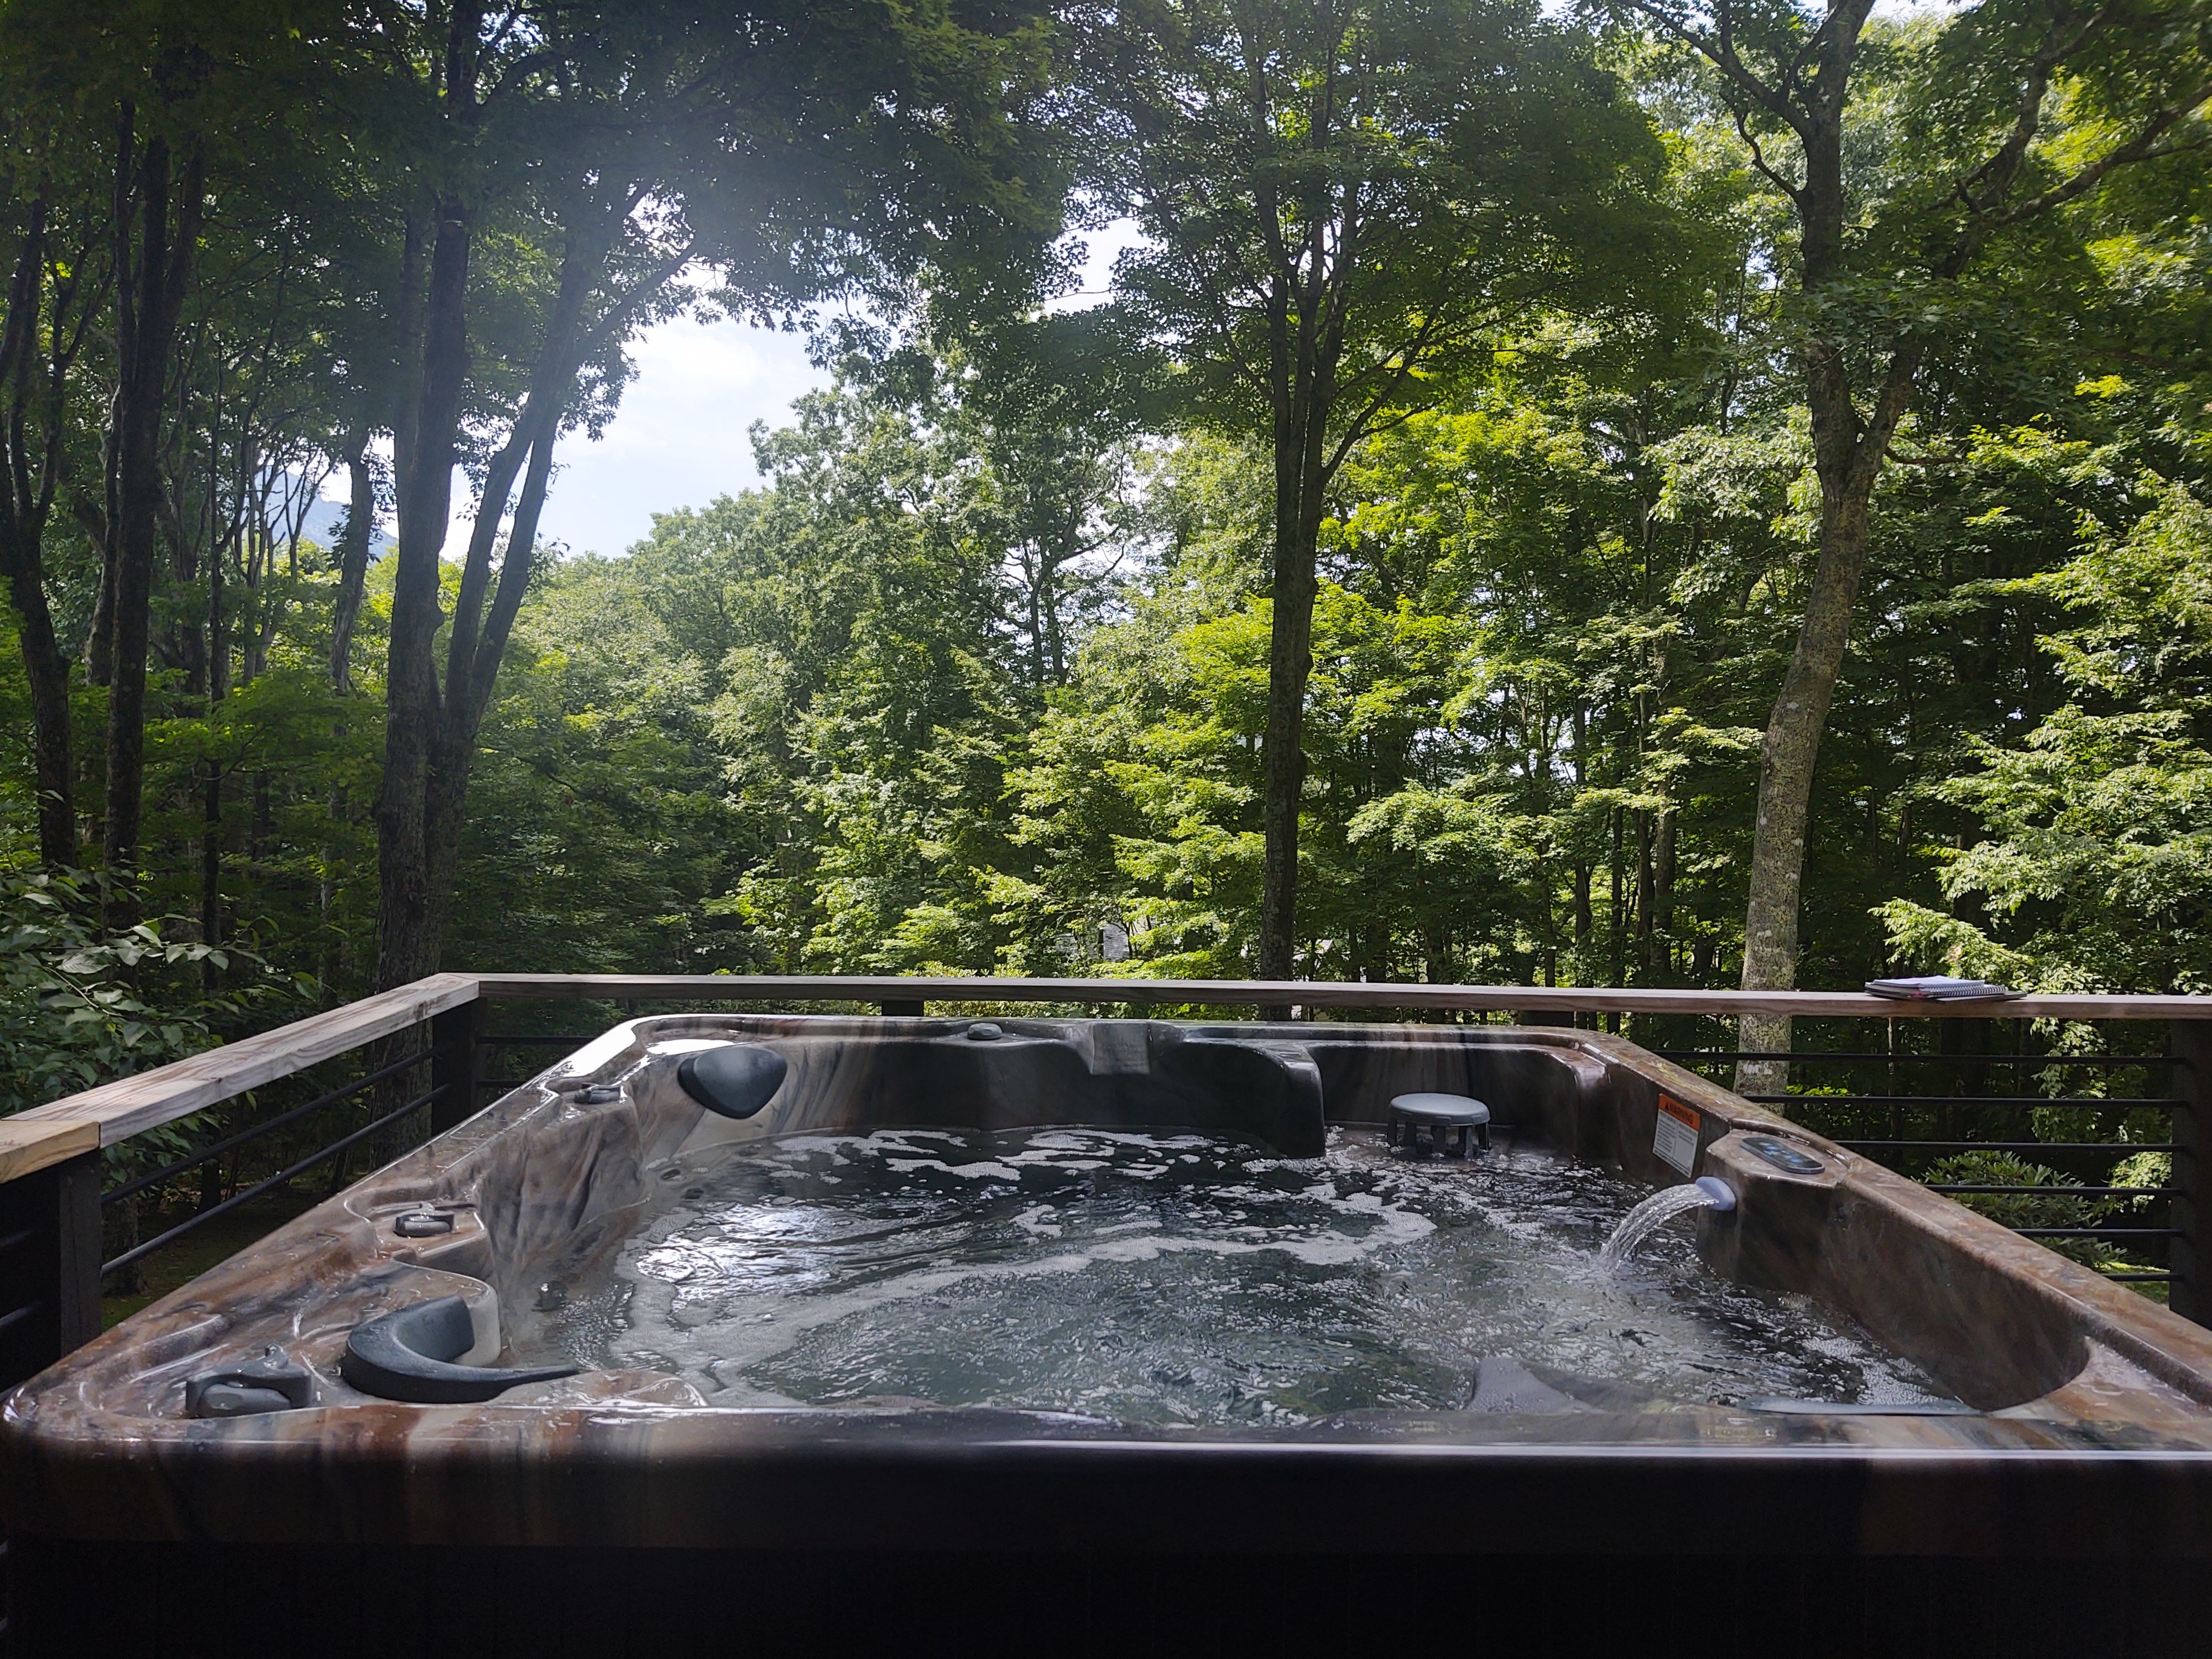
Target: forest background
column 1522, row 454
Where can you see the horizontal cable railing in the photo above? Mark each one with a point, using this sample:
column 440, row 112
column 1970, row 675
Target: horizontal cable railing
column 246, row 1195
column 267, row 1126
column 1935, row 1095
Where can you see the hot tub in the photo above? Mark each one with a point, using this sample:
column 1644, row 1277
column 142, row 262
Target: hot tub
column 788, row 1332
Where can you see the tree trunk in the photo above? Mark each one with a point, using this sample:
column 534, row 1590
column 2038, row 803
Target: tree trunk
column 1055, row 637
column 31, row 474
column 163, row 271
column 100, row 638
column 137, row 426
column 430, row 731
column 1037, row 621
column 1615, row 905
column 1645, row 883
column 406, row 940
column 1847, row 451
column 211, row 867
column 22, row 559
column 450, row 746
column 218, row 687
column 1851, row 433
column 1551, row 932
column 431, row 728
column 1290, row 666
column 1305, row 379
column 469, row 684
column 99, row 642
column 26, row 495
column 353, row 558
column 1785, row 786
column 46, row 668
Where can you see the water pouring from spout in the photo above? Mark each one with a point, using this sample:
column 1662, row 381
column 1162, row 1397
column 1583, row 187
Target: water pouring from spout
column 1705, row 1193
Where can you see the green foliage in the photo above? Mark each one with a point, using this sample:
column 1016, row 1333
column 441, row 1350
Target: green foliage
column 2096, row 854
column 1391, row 179
column 2028, row 1208
column 80, row 1004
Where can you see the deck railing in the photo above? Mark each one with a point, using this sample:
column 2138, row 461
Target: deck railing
column 2067, row 1085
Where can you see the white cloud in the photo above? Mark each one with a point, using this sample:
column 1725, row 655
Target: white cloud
column 678, row 439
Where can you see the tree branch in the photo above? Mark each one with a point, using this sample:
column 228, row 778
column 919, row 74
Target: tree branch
column 618, row 315
column 514, row 571
column 1759, row 160
column 2004, row 165
column 1889, row 405
column 1720, row 52
column 2142, row 147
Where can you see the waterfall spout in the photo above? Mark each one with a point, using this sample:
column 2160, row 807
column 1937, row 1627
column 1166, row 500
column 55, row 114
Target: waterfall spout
column 1705, row 1193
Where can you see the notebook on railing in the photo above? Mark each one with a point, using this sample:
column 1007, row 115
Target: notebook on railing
column 1940, row 987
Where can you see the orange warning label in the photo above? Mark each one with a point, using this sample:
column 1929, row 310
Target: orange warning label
column 1674, row 1134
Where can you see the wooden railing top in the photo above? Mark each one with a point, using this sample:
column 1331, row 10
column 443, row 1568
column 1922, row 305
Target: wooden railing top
column 132, row 1105
column 1317, row 994
column 115, row 1111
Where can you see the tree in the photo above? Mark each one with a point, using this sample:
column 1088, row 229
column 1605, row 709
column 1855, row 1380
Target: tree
column 156, row 240
column 641, row 141
column 2093, row 869
column 1046, row 411
column 149, row 95
column 1344, row 197
column 1883, row 263
column 57, row 290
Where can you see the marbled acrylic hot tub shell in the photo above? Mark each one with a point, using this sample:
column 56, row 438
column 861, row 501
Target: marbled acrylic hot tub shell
column 2094, row 1438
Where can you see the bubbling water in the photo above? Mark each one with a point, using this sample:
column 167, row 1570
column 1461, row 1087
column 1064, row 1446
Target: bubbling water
column 1171, row 1279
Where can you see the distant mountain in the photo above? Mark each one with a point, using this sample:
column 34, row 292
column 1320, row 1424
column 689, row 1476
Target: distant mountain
column 322, row 524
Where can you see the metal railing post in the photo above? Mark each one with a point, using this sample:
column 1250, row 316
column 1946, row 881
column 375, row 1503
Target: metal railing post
column 2190, row 1043
column 456, row 1064
column 49, row 1265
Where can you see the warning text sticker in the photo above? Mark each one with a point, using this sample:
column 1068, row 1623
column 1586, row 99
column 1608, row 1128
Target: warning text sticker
column 1675, row 1139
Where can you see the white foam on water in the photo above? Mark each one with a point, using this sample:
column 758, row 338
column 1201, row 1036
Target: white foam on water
column 1172, row 1279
